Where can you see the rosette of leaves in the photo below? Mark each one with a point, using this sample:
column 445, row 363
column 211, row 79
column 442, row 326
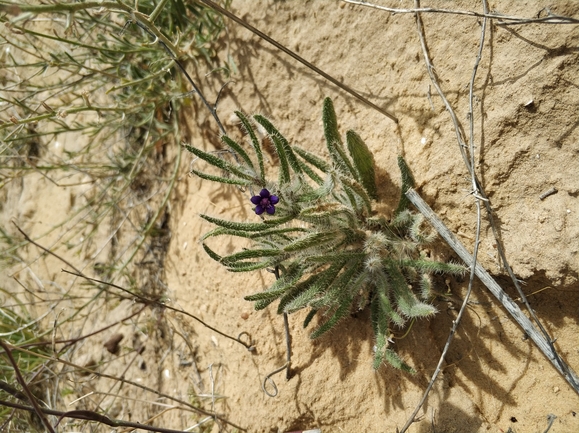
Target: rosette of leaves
column 333, row 254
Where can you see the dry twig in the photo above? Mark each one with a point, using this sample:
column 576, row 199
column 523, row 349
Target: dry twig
column 544, row 342
column 550, row 18
column 470, row 166
column 512, row 308
column 295, row 56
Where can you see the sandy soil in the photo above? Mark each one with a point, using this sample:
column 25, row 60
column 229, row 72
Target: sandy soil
column 527, row 141
column 494, row 379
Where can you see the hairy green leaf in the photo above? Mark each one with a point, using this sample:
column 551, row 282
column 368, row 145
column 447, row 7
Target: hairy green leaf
column 283, row 150
column 433, row 267
column 333, row 140
column 317, row 162
column 219, row 163
column 395, row 361
column 327, row 216
column 309, row 317
column 254, row 142
column 276, row 136
column 335, row 257
column 250, row 227
column 407, row 183
column 360, row 192
column 263, row 303
column 363, row 161
column 301, row 300
column 280, row 286
column 220, row 231
column 238, row 150
column 299, row 288
column 250, row 266
column 212, row 253
column 249, row 254
column 226, row 180
column 311, row 240
column 311, row 173
column 342, row 311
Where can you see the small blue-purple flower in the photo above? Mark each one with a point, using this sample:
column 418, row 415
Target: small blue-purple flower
column 265, row 202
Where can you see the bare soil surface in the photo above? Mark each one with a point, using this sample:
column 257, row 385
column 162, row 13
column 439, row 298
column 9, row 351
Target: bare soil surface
column 526, row 131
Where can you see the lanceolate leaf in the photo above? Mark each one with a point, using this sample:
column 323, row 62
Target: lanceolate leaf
column 250, row 227
column 249, row 254
column 380, row 325
column 363, row 161
column 343, row 284
column 223, row 231
column 219, row 231
column 219, row 163
column 301, row 300
column 311, row 173
column 357, row 188
column 311, row 240
column 299, row 288
column 307, row 290
column 268, row 294
column 430, row 266
column 309, row 317
column 328, row 276
column 212, row 253
column 281, row 141
column 278, row 288
column 313, row 195
column 407, row 183
column 340, row 312
column 254, row 142
column 323, row 218
column 280, row 148
column 333, row 140
column 280, row 231
column 395, row 361
column 340, row 291
column 261, row 304
column 239, row 150
column 330, row 123
column 250, row 266
column 386, row 307
column 317, row 162
column 227, row 180
column 335, row 257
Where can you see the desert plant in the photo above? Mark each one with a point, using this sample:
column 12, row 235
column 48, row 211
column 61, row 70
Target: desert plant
column 83, row 68
column 109, row 73
column 17, row 328
column 331, row 251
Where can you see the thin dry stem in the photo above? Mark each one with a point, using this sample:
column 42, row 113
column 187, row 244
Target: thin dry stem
column 507, row 19
column 471, row 169
column 300, row 59
column 512, row 308
column 480, row 196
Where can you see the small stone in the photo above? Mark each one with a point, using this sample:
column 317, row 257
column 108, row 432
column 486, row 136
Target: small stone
column 556, row 390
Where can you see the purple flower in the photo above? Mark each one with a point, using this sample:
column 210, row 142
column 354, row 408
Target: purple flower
column 265, row 202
